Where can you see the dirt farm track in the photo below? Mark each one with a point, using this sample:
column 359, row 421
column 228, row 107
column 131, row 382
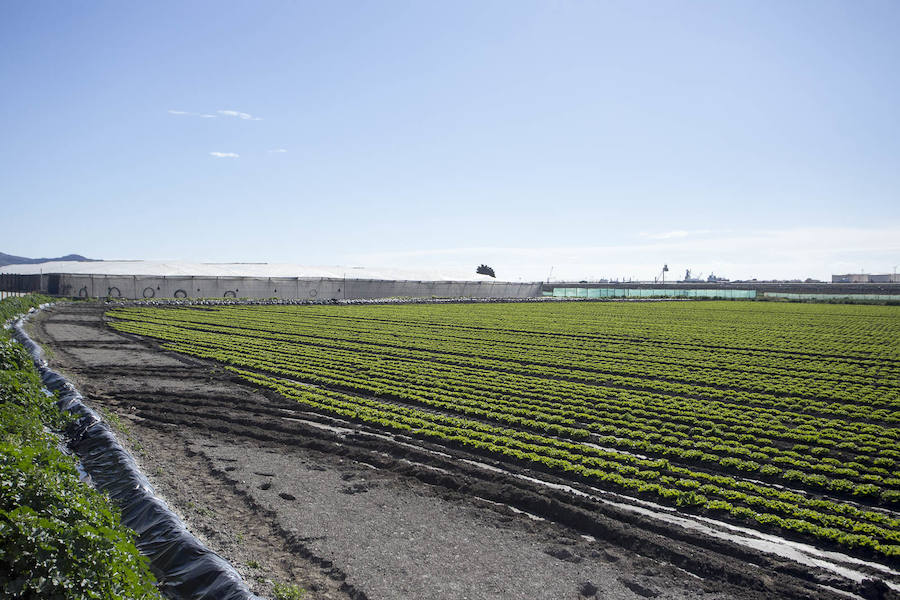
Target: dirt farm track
column 347, row 511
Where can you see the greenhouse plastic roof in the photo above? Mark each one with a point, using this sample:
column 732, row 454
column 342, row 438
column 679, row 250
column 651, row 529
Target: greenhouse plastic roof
column 173, row 268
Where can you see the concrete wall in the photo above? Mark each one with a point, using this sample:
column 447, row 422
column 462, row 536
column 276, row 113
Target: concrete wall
column 140, row 286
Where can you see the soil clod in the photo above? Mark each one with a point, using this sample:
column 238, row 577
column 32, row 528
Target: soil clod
column 874, row 589
column 356, row 488
column 638, row 588
column 563, row 554
column 588, row 589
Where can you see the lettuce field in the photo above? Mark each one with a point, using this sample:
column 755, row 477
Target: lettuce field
column 781, row 417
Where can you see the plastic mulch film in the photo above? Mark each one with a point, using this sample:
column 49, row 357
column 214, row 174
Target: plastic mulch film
column 184, row 567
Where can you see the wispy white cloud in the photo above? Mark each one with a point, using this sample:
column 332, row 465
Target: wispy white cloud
column 225, row 113
column 224, row 154
column 239, row 115
column 676, row 234
column 185, row 113
column 277, row 151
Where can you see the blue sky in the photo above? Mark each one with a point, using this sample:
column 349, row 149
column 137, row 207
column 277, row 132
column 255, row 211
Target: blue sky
column 753, row 139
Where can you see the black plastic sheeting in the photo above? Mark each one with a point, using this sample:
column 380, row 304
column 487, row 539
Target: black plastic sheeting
column 185, row 568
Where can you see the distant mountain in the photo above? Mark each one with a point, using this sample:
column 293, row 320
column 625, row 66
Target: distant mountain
column 9, row 259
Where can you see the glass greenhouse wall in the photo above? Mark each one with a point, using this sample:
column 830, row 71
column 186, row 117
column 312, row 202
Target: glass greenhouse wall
column 578, row 292
column 788, row 296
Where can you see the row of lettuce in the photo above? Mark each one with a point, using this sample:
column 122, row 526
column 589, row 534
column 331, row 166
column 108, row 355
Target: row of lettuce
column 59, row 538
column 517, row 388
column 843, row 457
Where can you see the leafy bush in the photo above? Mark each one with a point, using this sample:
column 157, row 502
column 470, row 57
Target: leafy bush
column 17, row 305
column 59, row 538
column 13, row 356
column 288, row 591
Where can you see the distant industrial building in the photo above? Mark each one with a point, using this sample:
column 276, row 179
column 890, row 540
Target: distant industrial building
column 866, row 278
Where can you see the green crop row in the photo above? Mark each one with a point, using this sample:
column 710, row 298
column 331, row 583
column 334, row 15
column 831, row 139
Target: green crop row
column 578, row 362
column 302, row 359
column 772, row 417
column 562, row 424
column 598, row 471
column 767, row 417
column 252, row 352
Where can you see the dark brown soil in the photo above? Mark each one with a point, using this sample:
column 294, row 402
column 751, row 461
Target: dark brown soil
column 349, row 512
